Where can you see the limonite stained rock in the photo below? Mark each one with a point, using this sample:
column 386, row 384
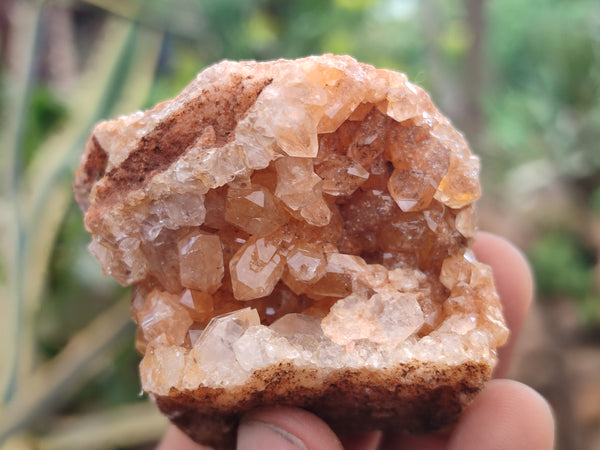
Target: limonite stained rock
column 297, row 232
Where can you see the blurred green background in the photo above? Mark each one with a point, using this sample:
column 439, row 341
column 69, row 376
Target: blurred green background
column 520, row 78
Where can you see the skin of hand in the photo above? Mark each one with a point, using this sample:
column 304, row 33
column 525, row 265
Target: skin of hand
column 506, row 415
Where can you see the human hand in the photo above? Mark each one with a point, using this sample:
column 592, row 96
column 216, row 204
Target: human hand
column 506, row 415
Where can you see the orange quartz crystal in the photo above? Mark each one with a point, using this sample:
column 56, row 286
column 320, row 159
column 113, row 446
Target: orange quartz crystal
column 317, row 212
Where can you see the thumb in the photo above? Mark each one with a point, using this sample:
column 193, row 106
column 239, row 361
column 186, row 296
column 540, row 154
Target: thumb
column 284, row 428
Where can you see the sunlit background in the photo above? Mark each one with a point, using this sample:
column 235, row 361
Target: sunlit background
column 520, row 78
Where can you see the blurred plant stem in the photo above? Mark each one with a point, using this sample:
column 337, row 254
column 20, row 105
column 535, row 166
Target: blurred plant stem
column 26, row 16
column 49, row 383
column 129, row 9
column 117, row 78
column 125, row 425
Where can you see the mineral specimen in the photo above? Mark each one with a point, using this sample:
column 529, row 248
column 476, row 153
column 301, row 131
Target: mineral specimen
column 297, row 232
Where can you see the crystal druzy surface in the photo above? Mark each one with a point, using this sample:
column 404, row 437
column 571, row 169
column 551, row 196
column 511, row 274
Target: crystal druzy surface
column 317, row 212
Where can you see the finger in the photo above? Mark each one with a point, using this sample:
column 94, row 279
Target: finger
column 507, row 415
column 514, row 282
column 363, row 441
column 175, row 439
column 283, row 428
column 415, row 442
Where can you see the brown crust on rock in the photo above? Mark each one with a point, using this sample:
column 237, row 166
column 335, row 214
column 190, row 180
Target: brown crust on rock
column 413, row 397
column 91, row 169
column 219, row 109
column 180, row 130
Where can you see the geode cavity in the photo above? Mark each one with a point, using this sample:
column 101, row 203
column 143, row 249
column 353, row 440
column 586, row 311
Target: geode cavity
column 296, row 232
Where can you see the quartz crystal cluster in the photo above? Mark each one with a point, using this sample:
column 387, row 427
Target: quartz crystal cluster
column 314, row 213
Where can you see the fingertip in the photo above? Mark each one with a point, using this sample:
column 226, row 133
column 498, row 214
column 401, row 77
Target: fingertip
column 514, row 282
column 175, row 439
column 512, row 272
column 284, row 428
column 506, row 415
column 363, row 441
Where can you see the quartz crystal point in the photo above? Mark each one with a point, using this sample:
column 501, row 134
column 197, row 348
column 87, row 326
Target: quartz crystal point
column 297, row 232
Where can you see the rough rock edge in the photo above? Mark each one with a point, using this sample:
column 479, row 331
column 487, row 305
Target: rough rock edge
column 412, row 397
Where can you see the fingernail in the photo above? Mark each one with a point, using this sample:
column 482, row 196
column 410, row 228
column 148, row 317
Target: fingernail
column 256, row 435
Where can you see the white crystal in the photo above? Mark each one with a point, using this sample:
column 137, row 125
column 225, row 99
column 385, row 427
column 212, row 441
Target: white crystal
column 255, row 269
column 317, row 213
column 297, row 182
column 465, row 223
column 458, row 324
column 179, row 210
column 428, row 349
column 217, row 339
column 214, row 348
column 294, row 324
column 260, row 347
column 162, row 313
column 162, row 366
column 201, row 262
column 402, row 315
column 371, row 275
column 477, row 342
column 406, row 279
column 126, row 268
column 305, row 265
column 387, row 317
